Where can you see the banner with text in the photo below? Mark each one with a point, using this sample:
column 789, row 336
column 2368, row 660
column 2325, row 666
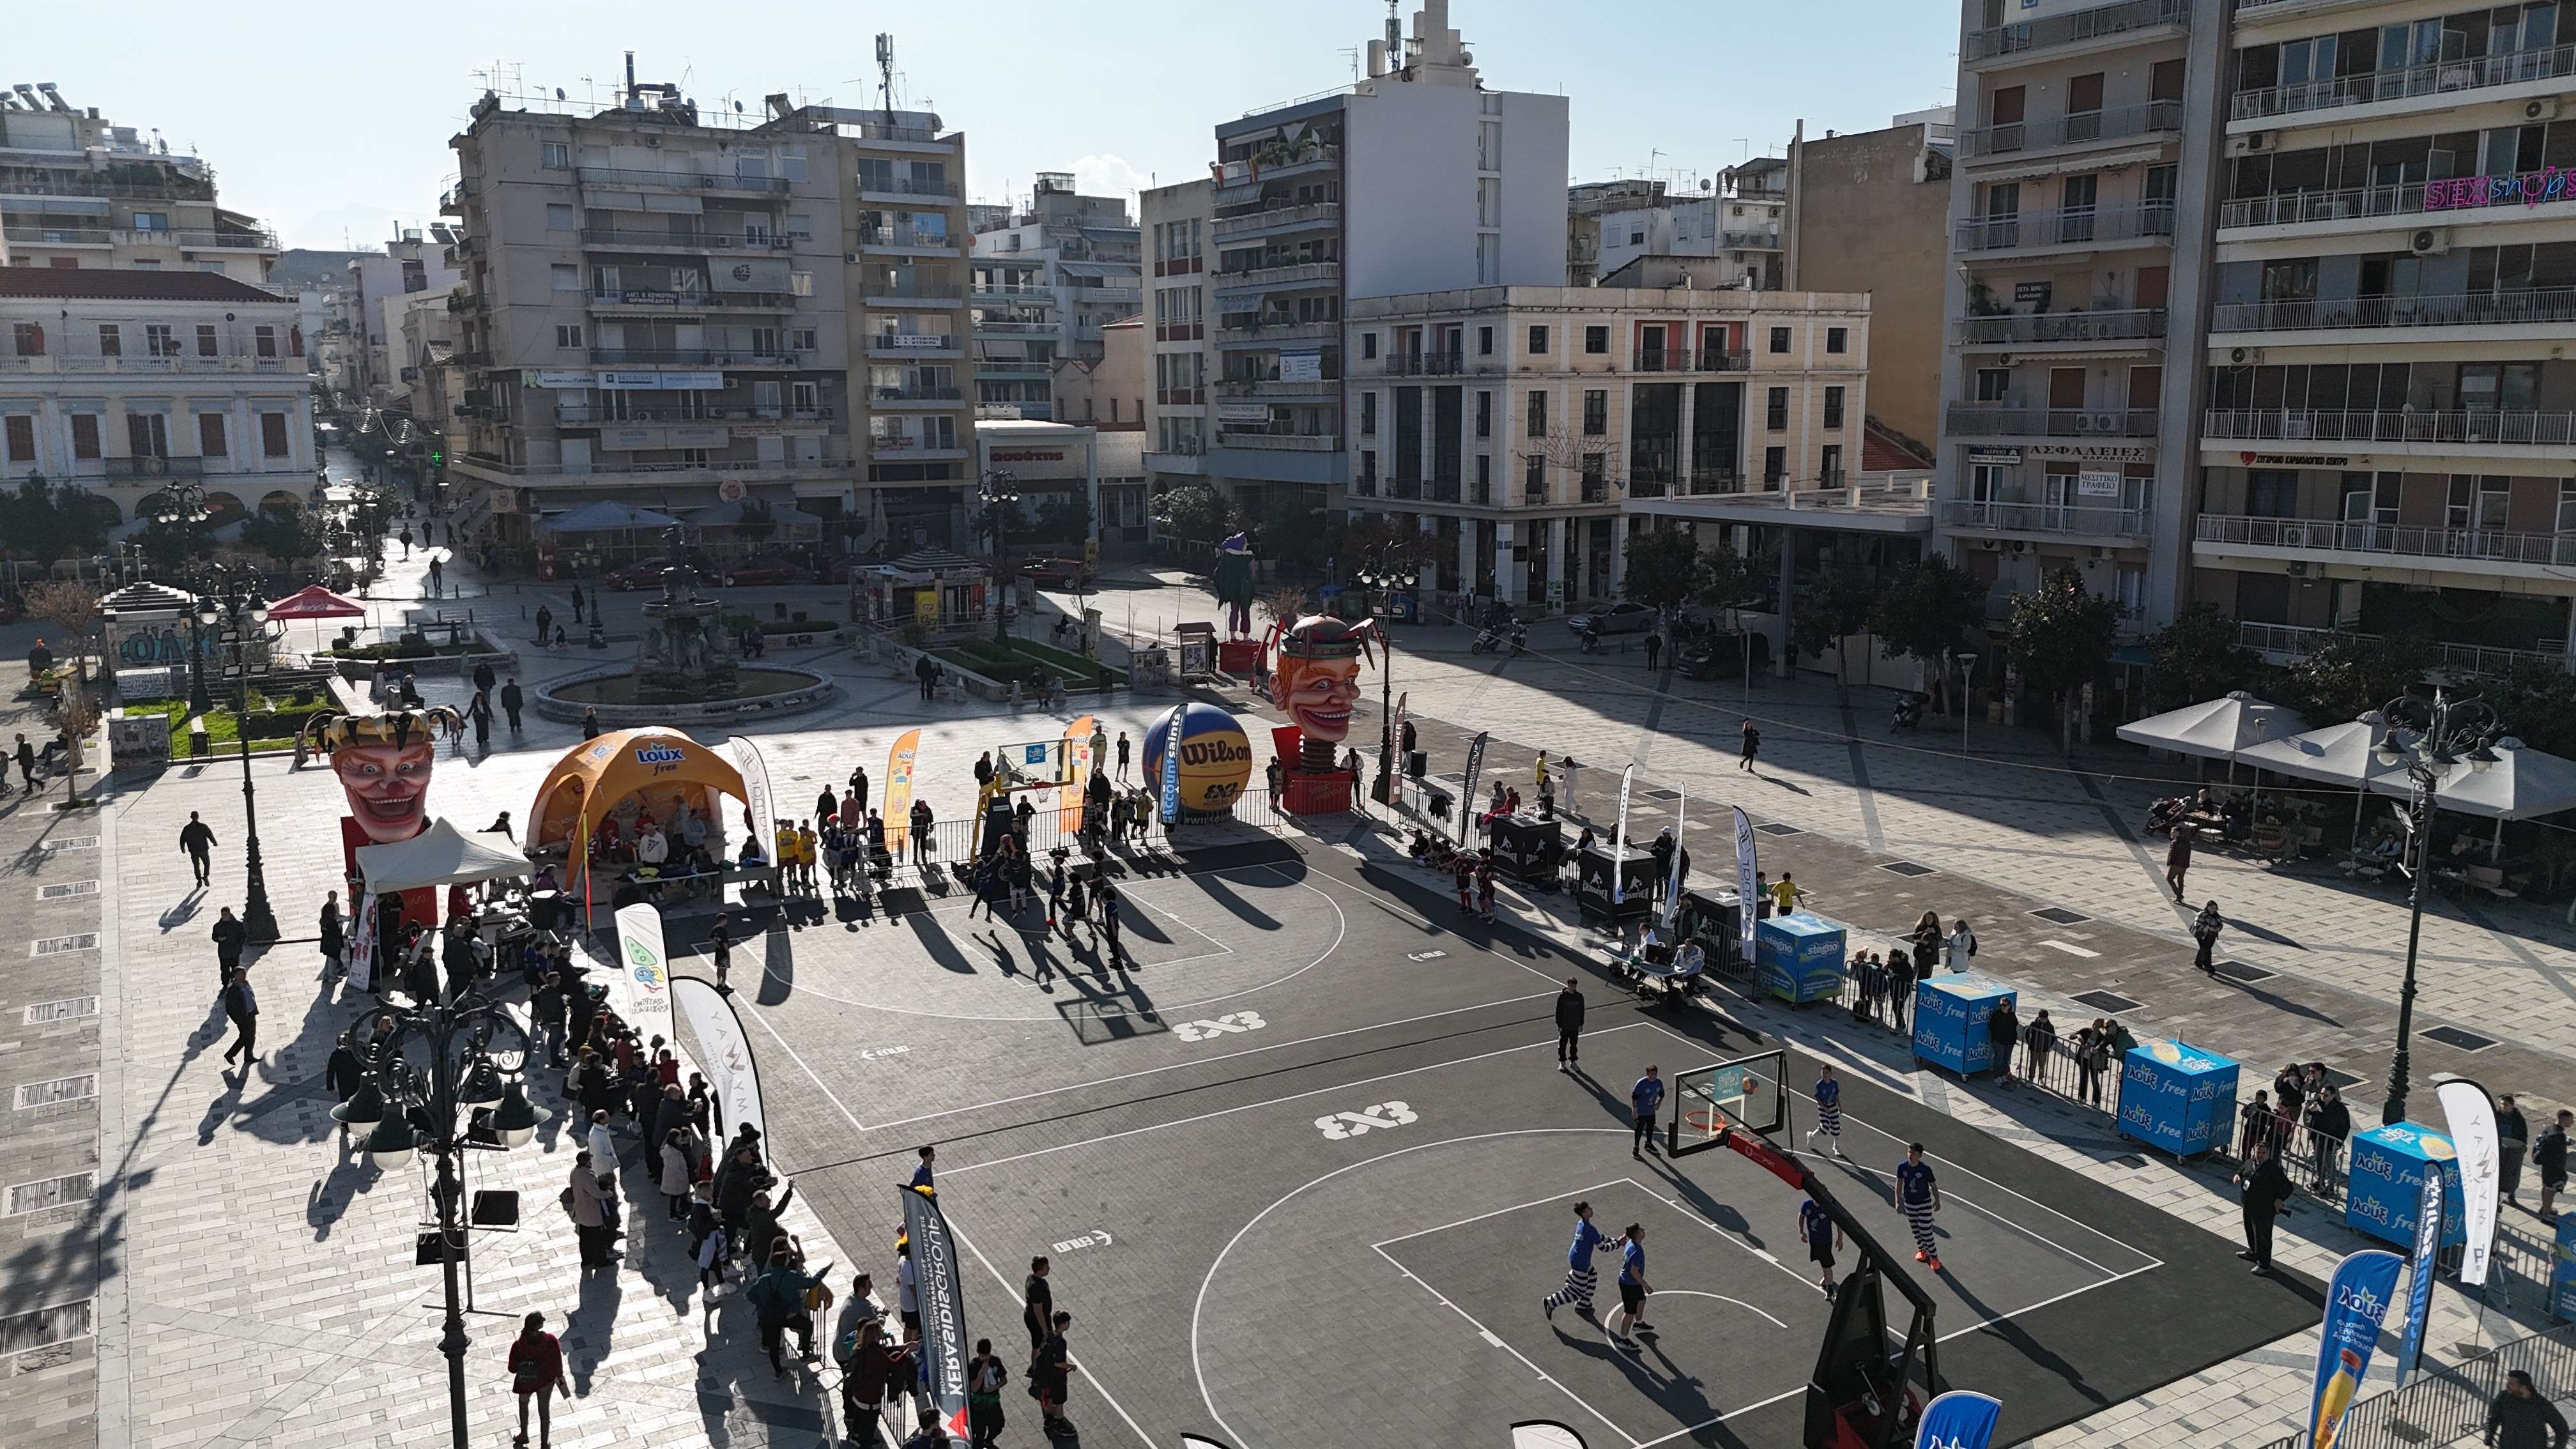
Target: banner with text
column 758, row 817
column 1959, row 1419
column 2472, row 1117
column 1746, row 871
column 944, row 1348
column 1467, row 791
column 644, row 970
column 724, row 1054
column 1619, row 840
column 2356, row 1303
column 897, row 813
column 2419, row 1286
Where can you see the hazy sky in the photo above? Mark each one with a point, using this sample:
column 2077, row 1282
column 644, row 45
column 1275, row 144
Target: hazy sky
column 325, row 119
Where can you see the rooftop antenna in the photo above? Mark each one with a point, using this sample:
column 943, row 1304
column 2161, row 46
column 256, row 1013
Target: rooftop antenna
column 629, row 93
column 1353, row 52
column 885, row 74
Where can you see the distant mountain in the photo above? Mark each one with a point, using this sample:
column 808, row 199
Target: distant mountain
column 301, row 266
column 354, row 225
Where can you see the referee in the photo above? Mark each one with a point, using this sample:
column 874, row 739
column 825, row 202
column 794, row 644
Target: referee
column 1918, row 1196
column 1822, row 1235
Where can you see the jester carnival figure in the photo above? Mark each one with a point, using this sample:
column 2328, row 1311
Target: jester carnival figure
column 1317, row 680
column 384, row 763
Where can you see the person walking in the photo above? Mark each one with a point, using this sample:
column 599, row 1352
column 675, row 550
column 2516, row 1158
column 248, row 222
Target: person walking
column 1654, row 650
column 230, row 936
column 437, row 578
column 1580, row 1277
column 1960, row 947
column 1633, row 1288
column 513, row 699
column 536, row 1366
column 1918, row 1196
column 478, row 710
column 1822, row 1235
column 575, row 591
column 1104, row 913
column 2513, row 1138
column 242, row 1008
column 1122, row 754
column 1037, row 1302
column 1751, row 748
column 197, row 842
column 2204, row 931
column 25, row 754
column 2003, row 1029
column 484, row 678
column 2178, row 858
column 1646, row 1098
column 2523, row 1418
column 1051, row 1371
column 1829, row 1121
column 2549, row 1154
column 1569, row 1028
column 780, row 1296
column 2262, row 1190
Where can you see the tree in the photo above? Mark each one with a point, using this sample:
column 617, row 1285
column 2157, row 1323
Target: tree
column 2351, row 674
column 1830, row 607
column 1665, row 568
column 2197, row 657
column 1283, row 604
column 69, row 605
column 2061, row 638
column 1728, row 578
column 48, row 521
column 2537, row 705
column 1924, row 608
column 1193, row 512
column 283, row 534
column 77, row 717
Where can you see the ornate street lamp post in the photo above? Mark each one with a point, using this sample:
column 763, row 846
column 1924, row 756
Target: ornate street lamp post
column 2430, row 738
column 999, row 495
column 237, row 610
column 1379, row 573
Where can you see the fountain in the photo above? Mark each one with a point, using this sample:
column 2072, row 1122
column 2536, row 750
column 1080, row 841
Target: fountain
column 687, row 666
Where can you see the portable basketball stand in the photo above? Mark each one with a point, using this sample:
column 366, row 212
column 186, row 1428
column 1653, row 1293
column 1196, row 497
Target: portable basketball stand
column 1860, row 1396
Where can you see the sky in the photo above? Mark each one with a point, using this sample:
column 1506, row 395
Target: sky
column 330, row 122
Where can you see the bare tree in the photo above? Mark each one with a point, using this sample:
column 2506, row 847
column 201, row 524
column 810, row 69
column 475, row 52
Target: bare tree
column 77, row 718
column 70, row 604
column 1283, row 605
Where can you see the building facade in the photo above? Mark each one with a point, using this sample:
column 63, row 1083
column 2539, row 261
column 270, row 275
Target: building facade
column 1734, row 224
column 1047, row 280
column 123, row 381
column 1869, row 212
column 668, row 309
column 77, row 191
column 1523, row 426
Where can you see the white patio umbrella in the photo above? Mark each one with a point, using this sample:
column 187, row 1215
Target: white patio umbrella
column 2215, row 729
column 2340, row 754
column 2523, row 782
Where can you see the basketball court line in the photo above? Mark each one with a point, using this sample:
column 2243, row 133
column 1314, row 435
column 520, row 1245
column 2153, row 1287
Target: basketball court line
column 1498, row 1212
column 810, row 1074
column 1491, row 1337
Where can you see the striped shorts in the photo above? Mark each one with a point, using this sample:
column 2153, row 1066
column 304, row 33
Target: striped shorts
column 1829, row 1121
column 1918, row 1216
column 1579, row 1283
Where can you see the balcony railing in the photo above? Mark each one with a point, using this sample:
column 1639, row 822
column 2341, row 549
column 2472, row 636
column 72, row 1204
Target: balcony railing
column 178, row 188
column 2295, row 643
column 915, row 393
column 1016, row 329
column 2484, row 545
column 1424, row 364
column 702, row 241
column 582, row 415
column 904, row 236
column 2024, row 329
column 1276, row 217
column 904, row 186
column 675, row 180
column 28, row 234
column 2073, row 129
column 1284, row 275
column 2433, row 78
column 912, row 291
column 2082, row 226
column 176, row 362
column 1707, row 482
column 1013, row 289
column 2476, row 195
column 654, row 354
column 1688, row 359
column 1758, row 241
column 1279, row 442
column 692, row 301
column 1991, row 420
column 2510, row 429
column 2072, row 29
column 1242, row 327
column 2044, row 518
column 2541, row 306
column 151, row 467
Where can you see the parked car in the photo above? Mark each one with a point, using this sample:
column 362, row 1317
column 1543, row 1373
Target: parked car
column 1624, row 617
column 642, row 574
column 760, row 571
column 1062, row 573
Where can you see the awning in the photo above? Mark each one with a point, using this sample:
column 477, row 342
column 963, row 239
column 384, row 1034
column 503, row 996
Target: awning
column 1100, row 269
column 316, row 602
column 440, row 855
column 2522, row 783
column 2338, row 754
column 606, row 517
column 2081, row 161
column 745, row 510
column 2216, row 729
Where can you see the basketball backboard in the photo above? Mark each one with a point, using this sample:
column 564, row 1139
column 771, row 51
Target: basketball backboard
column 1748, row 1094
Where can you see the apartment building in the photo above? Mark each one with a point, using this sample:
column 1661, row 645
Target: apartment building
column 1017, row 333
column 376, row 289
column 121, row 381
column 1733, row 222
column 2087, row 163
column 1586, row 203
column 1869, row 212
column 1108, row 392
column 1416, row 178
column 1524, row 427
column 665, row 307
column 1176, row 221
column 1047, row 280
column 79, row 191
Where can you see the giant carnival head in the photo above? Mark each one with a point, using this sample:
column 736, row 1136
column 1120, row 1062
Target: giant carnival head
column 1317, row 678
column 384, row 763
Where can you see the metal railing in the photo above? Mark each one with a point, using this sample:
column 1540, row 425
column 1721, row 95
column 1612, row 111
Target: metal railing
column 912, row 291
column 2080, row 226
column 653, row 354
column 2342, row 204
column 1749, row 240
column 1690, row 359
column 2486, row 545
column 905, row 236
column 669, row 300
column 915, row 393
column 2044, row 518
column 2072, row 129
column 146, row 466
column 1423, row 364
column 2441, row 77
column 57, row 236
column 176, row 189
column 2510, row 429
column 2005, row 420
column 675, row 180
column 2071, row 29
column 2448, row 1403
column 1284, row 274
column 1279, row 442
column 1269, row 218
column 2031, row 328
column 904, row 186
column 620, row 236
column 2293, row 641
column 2539, row 306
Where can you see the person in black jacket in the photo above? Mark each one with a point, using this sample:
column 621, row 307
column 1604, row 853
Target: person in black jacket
column 1569, row 1026
column 197, row 840
column 334, row 938
column 2262, row 1188
column 2329, row 1124
column 2521, row 1418
column 230, row 937
column 2204, row 931
column 2549, row 1154
column 2003, row 1031
column 343, row 1074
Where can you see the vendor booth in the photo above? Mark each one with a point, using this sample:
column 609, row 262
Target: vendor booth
column 1529, row 849
column 442, row 855
column 635, row 815
column 1799, row 958
column 1592, row 893
column 1711, row 917
column 2177, row 1097
column 938, row 590
column 1950, row 1016
column 2390, row 1166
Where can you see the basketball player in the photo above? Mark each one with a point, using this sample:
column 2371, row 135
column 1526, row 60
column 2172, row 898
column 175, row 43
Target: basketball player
column 1579, row 1275
column 1829, row 1111
column 1919, row 1197
column 1822, row 1235
column 1633, row 1288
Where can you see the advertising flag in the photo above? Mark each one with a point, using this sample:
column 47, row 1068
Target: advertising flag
column 1619, row 841
column 362, row 943
column 1395, row 741
column 2419, row 1285
column 2356, row 1303
column 1077, row 766
column 944, row 1349
column 724, row 1053
column 1681, row 832
column 898, row 790
column 2472, row 1117
column 644, row 971
column 756, row 800
column 1746, row 870
column 1171, row 783
column 1467, row 798
column 1959, row 1419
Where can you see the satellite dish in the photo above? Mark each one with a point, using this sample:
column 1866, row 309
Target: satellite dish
column 737, row 108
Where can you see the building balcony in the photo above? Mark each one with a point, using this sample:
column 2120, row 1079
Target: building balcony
column 904, row 188
column 638, row 239
column 29, row 234
column 1280, row 442
column 1748, row 241
column 912, row 294
column 1013, row 291
column 2080, row 128
column 1275, row 220
column 2006, row 420
column 1240, row 331
column 987, row 328
column 1689, row 359
column 585, row 415
column 616, row 178
column 611, row 474
column 2541, row 307
column 904, row 241
column 1179, row 266
column 2487, row 434
column 2127, row 223
column 2289, row 643
column 915, row 393
column 1271, row 387
column 1305, row 161
column 175, row 188
column 628, row 355
column 2490, row 551
column 2120, row 23
column 92, row 363
column 1280, row 278
column 2059, row 331
column 1418, row 364
column 2458, row 201
column 1960, row 515
column 1018, row 367
column 911, row 449
column 918, row 346
column 120, row 470
column 2447, row 82
column 204, row 241
column 637, row 300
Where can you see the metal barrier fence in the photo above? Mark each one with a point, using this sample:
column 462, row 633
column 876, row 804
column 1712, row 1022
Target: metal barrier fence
column 2447, row 1404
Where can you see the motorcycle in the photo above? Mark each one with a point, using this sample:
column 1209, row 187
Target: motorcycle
column 1909, row 712
column 1520, row 639
column 2162, row 814
column 1486, row 642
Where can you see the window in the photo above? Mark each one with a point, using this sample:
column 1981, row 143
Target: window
column 1838, row 340
column 1368, row 344
column 554, row 155
column 1596, row 477
column 264, row 341
column 764, row 341
column 151, row 221
column 567, row 277
column 159, row 341
column 210, row 436
column 1538, row 415
column 1833, row 408
column 1484, row 342
column 272, row 435
column 111, row 340
column 1485, row 480
column 1775, row 466
column 1779, row 339
column 1368, row 472
column 28, row 338
column 85, row 435
column 1534, row 480
column 1636, row 238
column 800, row 284
column 562, row 217
column 1484, row 415
column 21, row 434
column 567, row 334
column 800, row 226
column 206, row 345
column 801, row 339
column 1368, row 413
column 1596, row 341
column 1538, row 341
column 1596, row 412
column 1830, row 470
column 1775, row 410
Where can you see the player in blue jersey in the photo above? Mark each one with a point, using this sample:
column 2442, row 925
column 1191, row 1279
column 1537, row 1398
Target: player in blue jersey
column 1822, row 1235
column 1579, row 1275
column 1647, row 1097
column 1829, row 1110
column 1918, row 1196
column 1633, row 1288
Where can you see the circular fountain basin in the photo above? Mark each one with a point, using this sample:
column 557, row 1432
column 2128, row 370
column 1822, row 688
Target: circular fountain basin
column 759, row 690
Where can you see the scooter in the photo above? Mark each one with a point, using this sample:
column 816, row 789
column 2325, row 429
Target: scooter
column 1520, row 638
column 1486, row 642
column 1909, row 712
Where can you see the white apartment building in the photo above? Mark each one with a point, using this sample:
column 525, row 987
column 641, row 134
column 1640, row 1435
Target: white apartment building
column 1526, row 427
column 1046, row 281
column 78, row 191
column 122, row 381
column 1017, row 334
column 665, row 308
column 380, row 288
column 1735, row 224
column 1417, row 178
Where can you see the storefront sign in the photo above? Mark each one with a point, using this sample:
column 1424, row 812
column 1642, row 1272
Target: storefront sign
column 1994, row 455
column 646, row 381
column 1301, row 367
column 2531, row 188
column 932, row 340
column 1243, row 412
column 2095, row 483
column 2294, row 460
column 545, row 377
column 2094, row 452
column 1030, row 455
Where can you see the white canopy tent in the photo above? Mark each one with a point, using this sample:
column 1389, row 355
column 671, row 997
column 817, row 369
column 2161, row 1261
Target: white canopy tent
column 2523, row 782
column 440, row 855
column 2215, row 729
column 2340, row 754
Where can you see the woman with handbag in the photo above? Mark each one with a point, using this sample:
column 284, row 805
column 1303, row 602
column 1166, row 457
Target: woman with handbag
column 536, row 1372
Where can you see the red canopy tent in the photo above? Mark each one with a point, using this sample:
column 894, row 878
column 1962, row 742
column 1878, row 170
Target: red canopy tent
column 316, row 602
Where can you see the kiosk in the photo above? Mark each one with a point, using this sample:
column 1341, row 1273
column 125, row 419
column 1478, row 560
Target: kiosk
column 1530, row 850
column 1798, row 957
column 2177, row 1097
column 1950, row 1015
column 2562, row 1271
column 1712, row 918
column 1592, row 895
column 2389, row 1168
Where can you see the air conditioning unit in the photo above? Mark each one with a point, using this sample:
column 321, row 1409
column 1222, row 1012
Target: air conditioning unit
column 852, row 258
column 2543, row 109
column 2106, row 422
column 1990, row 545
column 2298, row 568
column 2237, row 355
column 2432, row 241
column 2252, row 143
